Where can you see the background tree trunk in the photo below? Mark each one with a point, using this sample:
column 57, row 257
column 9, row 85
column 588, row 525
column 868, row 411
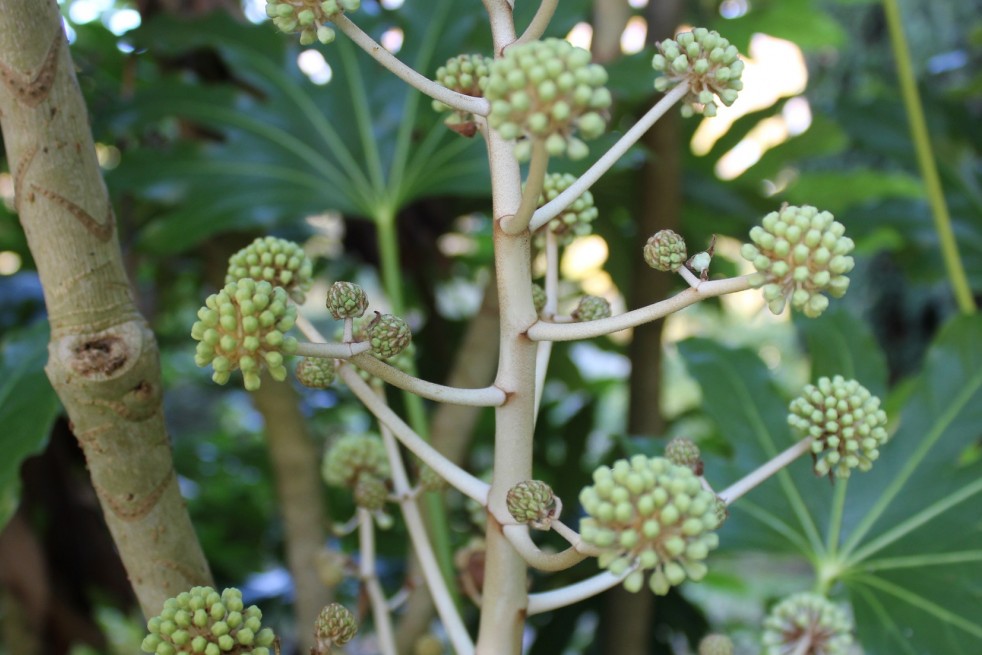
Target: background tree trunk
column 103, row 358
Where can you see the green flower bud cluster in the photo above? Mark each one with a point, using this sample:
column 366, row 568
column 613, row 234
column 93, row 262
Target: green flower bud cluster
column 575, row 220
column 315, row 372
column 466, row 74
column 591, row 308
column 280, row 262
column 202, row 621
column 716, row 645
column 547, row 90
column 650, row 514
column 665, row 251
column 308, row 17
column 845, row 421
column 428, row 644
column 243, row 327
column 346, row 300
column 388, row 335
column 371, row 492
column 352, row 456
column 331, row 566
column 335, row 626
column 532, row 502
column 807, row 616
column 799, row 252
column 707, row 61
column 538, row 298
column 684, row 452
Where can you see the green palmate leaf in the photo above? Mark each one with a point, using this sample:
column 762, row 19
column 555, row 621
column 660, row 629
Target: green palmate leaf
column 853, row 187
column 277, row 146
column 28, row 407
column 905, row 538
column 839, row 343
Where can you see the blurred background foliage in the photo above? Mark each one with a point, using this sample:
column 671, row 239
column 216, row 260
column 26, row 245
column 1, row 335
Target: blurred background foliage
column 214, row 129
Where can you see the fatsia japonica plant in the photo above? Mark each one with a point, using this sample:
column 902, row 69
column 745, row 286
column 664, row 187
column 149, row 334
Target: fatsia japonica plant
column 648, row 522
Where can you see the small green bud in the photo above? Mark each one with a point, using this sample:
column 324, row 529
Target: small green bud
column 388, row 335
column 335, row 626
column 370, row 492
column 591, row 308
column 532, row 502
column 807, row 617
column 684, row 452
column 346, row 300
column 665, row 251
column 353, row 455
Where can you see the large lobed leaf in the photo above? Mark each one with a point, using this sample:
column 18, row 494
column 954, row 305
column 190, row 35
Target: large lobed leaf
column 28, row 407
column 905, row 539
column 280, row 146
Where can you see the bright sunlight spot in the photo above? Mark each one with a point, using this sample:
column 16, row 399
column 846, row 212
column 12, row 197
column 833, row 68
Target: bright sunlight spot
column 123, row 21
column 255, row 10
column 85, row 11
column 638, row 4
column 9, row 262
column 632, row 39
column 733, row 8
column 392, row 4
column 584, row 257
column 392, row 39
column 581, row 35
column 775, row 69
column 314, row 66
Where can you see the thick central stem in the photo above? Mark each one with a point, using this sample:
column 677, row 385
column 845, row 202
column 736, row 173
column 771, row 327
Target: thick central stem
column 505, row 595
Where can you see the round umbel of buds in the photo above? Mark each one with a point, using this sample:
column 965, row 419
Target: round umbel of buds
column 428, row 644
column 799, row 253
column 547, row 90
column 648, row 514
column 807, row 616
column 591, row 308
column 370, row 492
column 716, row 645
column 202, row 621
column 538, row 298
column 346, row 300
column 388, row 335
column 684, row 452
column 244, row 326
column 280, row 262
column 331, row 566
column 665, row 251
column 532, row 502
column 309, row 17
column 705, row 60
column 315, row 372
column 352, row 456
column 845, row 421
column 466, row 74
column 573, row 221
column 335, row 626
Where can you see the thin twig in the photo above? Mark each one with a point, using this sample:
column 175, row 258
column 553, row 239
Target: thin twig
column 366, row 571
column 544, row 352
column 457, row 477
column 748, row 482
column 574, row 593
column 537, row 27
column 459, row 101
column 548, row 331
column 533, row 187
column 519, row 537
column 555, row 206
column 450, row 617
column 490, row 396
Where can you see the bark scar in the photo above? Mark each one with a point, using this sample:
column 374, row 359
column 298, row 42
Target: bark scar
column 32, row 90
column 103, row 356
column 21, row 173
column 130, row 508
column 101, row 231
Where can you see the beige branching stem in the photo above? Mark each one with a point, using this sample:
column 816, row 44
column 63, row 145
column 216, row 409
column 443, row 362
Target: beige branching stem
column 533, row 186
column 478, row 106
column 519, row 537
column 754, row 478
column 460, row 479
column 539, row 23
column 544, row 330
column 451, row 619
column 583, row 183
column 574, row 593
column 376, row 596
column 544, row 351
